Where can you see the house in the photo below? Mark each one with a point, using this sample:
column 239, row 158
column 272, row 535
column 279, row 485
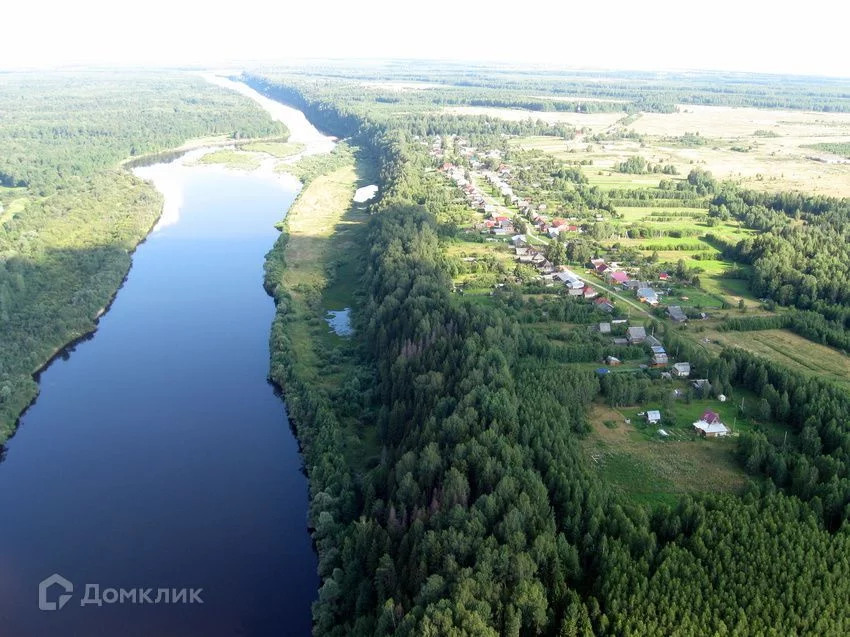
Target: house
column 604, row 328
column 676, row 314
column 518, row 239
column 613, row 360
column 652, row 341
column 647, row 295
column 618, row 277
column 521, row 251
column 546, row 267
column 589, row 292
column 659, row 356
column 604, row 304
column 663, row 276
column 709, row 425
column 636, row 335
column 570, row 279
column 653, row 416
column 601, row 268
column 682, row 370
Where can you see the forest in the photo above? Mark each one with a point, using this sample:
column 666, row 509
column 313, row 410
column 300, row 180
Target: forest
column 480, row 516
column 641, row 90
column 73, row 217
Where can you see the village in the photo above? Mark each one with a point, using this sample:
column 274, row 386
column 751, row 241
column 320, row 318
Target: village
column 527, row 232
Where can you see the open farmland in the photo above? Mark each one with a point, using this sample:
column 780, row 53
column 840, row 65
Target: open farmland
column 761, row 149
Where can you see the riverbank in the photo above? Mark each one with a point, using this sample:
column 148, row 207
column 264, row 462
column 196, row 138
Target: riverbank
column 313, row 268
column 62, row 288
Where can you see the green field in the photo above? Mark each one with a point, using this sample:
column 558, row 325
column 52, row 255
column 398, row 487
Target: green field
column 650, row 469
column 273, row 148
column 234, row 159
column 790, row 350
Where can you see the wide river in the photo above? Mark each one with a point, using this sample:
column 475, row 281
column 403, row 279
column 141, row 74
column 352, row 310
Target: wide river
column 157, row 455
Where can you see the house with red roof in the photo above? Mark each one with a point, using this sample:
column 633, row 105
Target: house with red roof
column 619, row 277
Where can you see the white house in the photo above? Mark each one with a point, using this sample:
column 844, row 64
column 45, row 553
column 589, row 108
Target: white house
column 710, row 426
column 653, row 416
column 570, row 280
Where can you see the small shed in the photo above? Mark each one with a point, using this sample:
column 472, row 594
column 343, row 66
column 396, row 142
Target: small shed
column 636, row 334
column 653, row 416
column 677, row 314
column 604, row 328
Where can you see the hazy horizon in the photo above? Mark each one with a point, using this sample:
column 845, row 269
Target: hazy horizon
column 756, row 37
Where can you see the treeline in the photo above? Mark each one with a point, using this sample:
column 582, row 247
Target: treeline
column 357, row 117
column 801, row 256
column 637, row 165
column 481, row 517
column 42, row 147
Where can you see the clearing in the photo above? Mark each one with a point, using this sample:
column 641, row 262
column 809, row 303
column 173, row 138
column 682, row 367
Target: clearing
column 652, row 470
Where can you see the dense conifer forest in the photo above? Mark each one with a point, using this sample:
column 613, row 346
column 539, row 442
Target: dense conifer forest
column 479, row 515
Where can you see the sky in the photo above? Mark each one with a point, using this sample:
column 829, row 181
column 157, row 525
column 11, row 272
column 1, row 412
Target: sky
column 796, row 37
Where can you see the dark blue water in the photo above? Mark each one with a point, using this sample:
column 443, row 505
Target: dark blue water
column 157, row 455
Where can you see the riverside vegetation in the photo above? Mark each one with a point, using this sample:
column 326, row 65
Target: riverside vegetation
column 465, row 504
column 69, row 215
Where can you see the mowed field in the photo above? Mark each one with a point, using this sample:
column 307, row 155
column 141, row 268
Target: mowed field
column 594, row 122
column 761, row 149
column 788, row 349
column 655, row 471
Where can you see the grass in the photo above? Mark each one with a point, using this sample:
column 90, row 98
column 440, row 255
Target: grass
column 780, row 147
column 652, row 470
column 730, row 290
column 235, row 159
column 326, row 233
column 789, row 349
column 15, row 206
column 275, row 149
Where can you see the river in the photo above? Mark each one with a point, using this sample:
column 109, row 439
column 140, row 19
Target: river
column 157, row 455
